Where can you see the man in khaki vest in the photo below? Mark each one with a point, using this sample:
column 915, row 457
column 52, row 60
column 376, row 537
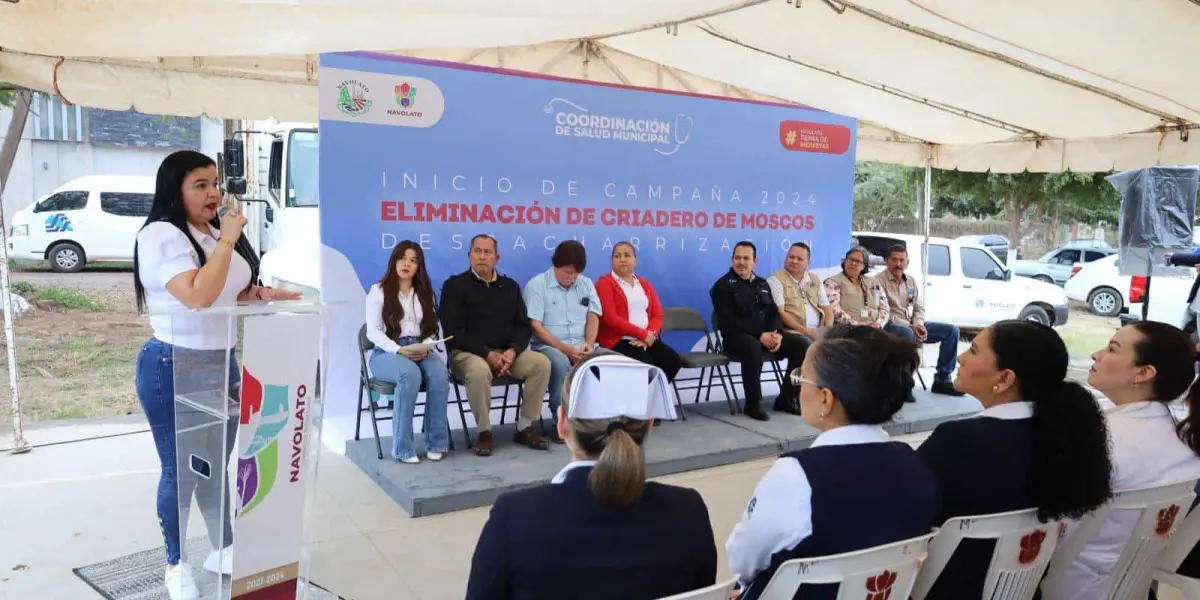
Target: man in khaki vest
column 801, row 299
column 907, row 319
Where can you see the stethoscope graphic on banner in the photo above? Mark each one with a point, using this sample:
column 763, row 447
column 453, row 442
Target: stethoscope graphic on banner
column 680, row 133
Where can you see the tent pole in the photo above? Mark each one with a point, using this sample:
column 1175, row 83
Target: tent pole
column 926, row 211
column 7, row 154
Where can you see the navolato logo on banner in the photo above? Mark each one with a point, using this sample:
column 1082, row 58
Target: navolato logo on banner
column 281, row 357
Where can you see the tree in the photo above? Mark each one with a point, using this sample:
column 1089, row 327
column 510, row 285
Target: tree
column 8, row 95
column 883, row 192
column 1029, row 198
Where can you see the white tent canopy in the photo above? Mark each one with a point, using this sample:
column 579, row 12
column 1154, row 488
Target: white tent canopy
column 1008, row 86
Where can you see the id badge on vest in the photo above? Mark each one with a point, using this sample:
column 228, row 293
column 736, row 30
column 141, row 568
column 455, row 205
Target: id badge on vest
column 864, row 313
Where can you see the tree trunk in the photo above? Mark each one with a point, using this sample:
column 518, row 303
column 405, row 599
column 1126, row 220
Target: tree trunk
column 8, row 153
column 12, row 139
column 1012, row 210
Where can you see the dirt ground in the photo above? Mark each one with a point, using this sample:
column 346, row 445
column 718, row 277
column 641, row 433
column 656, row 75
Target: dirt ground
column 78, row 363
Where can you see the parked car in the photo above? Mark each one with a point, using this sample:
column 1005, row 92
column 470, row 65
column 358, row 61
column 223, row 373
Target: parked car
column 967, row 284
column 1055, row 266
column 1089, row 243
column 1100, row 284
column 91, row 219
column 997, row 244
column 1168, row 292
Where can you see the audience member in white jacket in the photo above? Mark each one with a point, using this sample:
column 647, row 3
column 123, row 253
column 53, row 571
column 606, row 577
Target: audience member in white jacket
column 1145, row 366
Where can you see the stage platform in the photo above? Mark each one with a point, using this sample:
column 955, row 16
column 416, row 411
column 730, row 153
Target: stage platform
column 709, row 437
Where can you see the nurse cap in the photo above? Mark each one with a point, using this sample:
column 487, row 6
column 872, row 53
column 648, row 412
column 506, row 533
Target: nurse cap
column 611, row 385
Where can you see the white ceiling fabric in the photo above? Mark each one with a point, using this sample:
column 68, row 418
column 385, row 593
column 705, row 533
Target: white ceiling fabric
column 1008, row 86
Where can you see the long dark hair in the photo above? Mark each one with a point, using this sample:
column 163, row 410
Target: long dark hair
column 1072, row 468
column 1173, row 355
column 389, row 284
column 869, row 372
column 168, row 207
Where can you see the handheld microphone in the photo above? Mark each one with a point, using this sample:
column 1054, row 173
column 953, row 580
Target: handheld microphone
column 223, row 210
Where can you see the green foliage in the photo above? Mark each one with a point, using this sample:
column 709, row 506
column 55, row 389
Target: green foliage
column 7, row 96
column 57, row 295
column 883, row 192
column 1070, row 197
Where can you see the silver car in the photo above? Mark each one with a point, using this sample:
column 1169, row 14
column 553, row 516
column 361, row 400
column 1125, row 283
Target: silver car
column 1055, row 266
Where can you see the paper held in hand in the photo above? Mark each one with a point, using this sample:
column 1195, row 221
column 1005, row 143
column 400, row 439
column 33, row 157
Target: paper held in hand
column 428, row 345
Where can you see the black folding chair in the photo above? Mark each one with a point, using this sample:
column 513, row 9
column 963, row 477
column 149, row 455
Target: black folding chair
column 503, row 382
column 368, row 384
column 682, row 318
column 770, row 358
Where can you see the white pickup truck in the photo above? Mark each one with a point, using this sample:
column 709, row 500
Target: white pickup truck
column 968, row 286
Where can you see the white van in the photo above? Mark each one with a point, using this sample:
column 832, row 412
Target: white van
column 91, row 219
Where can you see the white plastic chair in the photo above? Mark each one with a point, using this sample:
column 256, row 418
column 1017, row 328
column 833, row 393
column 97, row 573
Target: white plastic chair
column 879, row 572
column 717, row 591
column 1158, row 511
column 1023, row 549
column 1186, row 537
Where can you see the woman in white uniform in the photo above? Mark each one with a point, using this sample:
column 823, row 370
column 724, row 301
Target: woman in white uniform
column 187, row 258
column 1144, row 367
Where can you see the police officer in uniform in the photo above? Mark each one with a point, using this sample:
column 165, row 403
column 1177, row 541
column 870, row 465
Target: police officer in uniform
column 750, row 327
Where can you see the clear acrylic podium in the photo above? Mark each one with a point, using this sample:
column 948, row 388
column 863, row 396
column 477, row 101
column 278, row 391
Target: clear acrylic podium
column 248, row 411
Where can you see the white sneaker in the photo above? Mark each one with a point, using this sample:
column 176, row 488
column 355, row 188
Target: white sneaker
column 179, row 582
column 220, row 563
column 433, row 455
column 412, row 460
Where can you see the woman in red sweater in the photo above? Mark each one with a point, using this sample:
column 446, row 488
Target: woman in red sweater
column 632, row 317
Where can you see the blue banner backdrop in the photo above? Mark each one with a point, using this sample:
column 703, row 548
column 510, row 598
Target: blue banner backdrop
column 436, row 153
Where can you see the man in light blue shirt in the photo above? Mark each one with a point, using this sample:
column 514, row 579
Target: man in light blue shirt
column 564, row 311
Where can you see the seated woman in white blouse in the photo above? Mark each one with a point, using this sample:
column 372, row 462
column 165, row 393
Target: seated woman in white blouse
column 187, row 258
column 853, row 488
column 1144, row 366
column 401, row 310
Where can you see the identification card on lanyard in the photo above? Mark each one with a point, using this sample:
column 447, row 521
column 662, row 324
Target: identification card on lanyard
column 866, row 296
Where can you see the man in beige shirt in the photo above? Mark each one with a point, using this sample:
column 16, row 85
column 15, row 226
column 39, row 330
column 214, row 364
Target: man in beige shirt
column 907, row 318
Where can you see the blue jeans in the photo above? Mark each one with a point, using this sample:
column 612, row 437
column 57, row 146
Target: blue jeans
column 559, row 366
column 407, row 376
column 155, row 384
column 936, row 333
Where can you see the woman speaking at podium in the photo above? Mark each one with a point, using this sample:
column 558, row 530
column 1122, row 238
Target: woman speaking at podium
column 185, row 257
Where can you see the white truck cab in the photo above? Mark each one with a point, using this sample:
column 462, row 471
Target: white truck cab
column 87, row 220
column 968, row 286
column 281, row 204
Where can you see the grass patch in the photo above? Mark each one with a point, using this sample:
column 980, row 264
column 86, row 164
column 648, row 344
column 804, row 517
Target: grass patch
column 88, row 373
column 1083, row 343
column 41, row 266
column 56, row 295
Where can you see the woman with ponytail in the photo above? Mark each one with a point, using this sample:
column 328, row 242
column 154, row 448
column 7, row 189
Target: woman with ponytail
column 853, row 488
column 1040, row 442
column 1144, row 367
column 612, row 533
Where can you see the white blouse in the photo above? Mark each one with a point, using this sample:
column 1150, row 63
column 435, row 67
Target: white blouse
column 164, row 252
column 1145, row 452
column 410, row 323
column 638, row 301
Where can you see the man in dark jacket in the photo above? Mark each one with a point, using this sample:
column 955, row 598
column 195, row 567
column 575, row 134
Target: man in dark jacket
column 484, row 314
column 752, row 330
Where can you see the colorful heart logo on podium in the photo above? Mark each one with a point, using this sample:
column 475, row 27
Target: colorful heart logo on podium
column 258, row 466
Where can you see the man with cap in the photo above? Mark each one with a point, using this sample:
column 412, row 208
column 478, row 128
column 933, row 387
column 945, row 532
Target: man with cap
column 615, row 535
column 752, row 330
